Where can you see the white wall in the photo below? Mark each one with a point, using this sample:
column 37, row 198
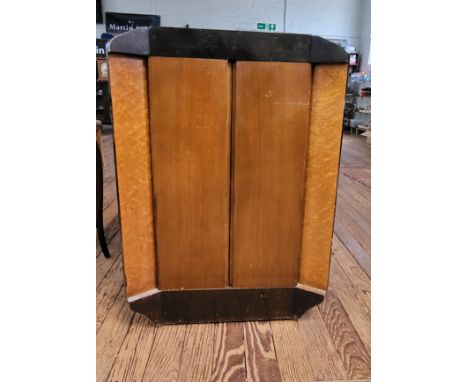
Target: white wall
column 221, row 14
column 209, row 14
column 365, row 36
column 333, row 19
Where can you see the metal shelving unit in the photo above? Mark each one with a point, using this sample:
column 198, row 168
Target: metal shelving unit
column 103, row 102
column 357, row 115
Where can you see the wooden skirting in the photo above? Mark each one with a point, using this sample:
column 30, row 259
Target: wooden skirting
column 225, row 305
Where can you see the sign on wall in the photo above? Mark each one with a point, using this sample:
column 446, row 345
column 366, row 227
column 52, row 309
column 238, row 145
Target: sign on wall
column 124, row 22
column 266, row 26
column 101, row 47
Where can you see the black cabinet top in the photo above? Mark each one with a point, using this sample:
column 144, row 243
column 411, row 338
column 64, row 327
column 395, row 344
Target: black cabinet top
column 230, row 45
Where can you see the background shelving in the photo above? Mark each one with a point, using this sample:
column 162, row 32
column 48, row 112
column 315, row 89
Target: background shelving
column 357, row 115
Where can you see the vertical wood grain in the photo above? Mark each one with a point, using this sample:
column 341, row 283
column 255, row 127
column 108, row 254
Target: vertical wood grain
column 292, row 351
column 270, row 138
column 130, row 363
column 229, row 353
column 133, row 162
column 190, row 103
column 324, row 358
column 260, row 356
column 110, row 336
column 326, row 117
column 107, row 291
column 165, row 357
column 198, row 353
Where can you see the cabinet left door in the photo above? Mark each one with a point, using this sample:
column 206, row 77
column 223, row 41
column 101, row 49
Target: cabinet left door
column 190, row 121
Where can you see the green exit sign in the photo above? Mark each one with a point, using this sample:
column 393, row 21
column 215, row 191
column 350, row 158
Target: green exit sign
column 266, row 26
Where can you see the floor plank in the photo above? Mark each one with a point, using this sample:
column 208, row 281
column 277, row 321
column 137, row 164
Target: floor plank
column 291, row 351
column 358, row 212
column 108, row 292
column 111, row 335
column 356, row 189
column 260, row 352
column 198, row 353
column 353, row 246
column 351, row 350
column 351, row 268
column 324, row 357
column 352, row 300
column 103, row 265
column 165, row 356
column 360, row 234
column 130, row 363
column 229, row 353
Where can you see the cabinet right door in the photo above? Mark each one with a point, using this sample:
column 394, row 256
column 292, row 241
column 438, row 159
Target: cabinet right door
column 270, row 139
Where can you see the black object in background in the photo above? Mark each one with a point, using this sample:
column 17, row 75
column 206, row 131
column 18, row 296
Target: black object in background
column 124, row 22
column 103, row 102
column 101, row 48
column 99, row 19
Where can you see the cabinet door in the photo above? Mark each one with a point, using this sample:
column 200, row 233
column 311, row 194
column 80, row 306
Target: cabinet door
column 270, row 135
column 190, row 114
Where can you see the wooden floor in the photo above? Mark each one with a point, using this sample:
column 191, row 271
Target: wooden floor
column 331, row 342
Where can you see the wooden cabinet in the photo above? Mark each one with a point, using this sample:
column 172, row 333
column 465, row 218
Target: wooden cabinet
column 227, row 151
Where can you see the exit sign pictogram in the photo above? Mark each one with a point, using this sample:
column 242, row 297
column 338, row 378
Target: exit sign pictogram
column 266, row 26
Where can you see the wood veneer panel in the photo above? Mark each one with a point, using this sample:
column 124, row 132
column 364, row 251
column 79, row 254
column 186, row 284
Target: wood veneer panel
column 190, row 103
column 272, row 101
column 328, row 92
column 133, row 161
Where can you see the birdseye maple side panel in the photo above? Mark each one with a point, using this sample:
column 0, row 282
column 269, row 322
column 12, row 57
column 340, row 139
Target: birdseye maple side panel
column 270, row 145
column 326, row 121
column 128, row 80
column 190, row 111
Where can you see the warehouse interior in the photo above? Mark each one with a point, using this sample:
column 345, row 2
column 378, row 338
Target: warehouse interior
column 346, row 23
column 239, row 193
column 329, row 342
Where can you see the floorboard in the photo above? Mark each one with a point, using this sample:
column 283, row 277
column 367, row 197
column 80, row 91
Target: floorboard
column 347, row 342
column 133, row 355
column 197, row 361
column 110, row 336
column 330, row 342
column 166, row 353
column 260, row 355
column 292, row 351
column 229, row 353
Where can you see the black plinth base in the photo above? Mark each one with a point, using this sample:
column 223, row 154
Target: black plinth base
column 225, row 305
